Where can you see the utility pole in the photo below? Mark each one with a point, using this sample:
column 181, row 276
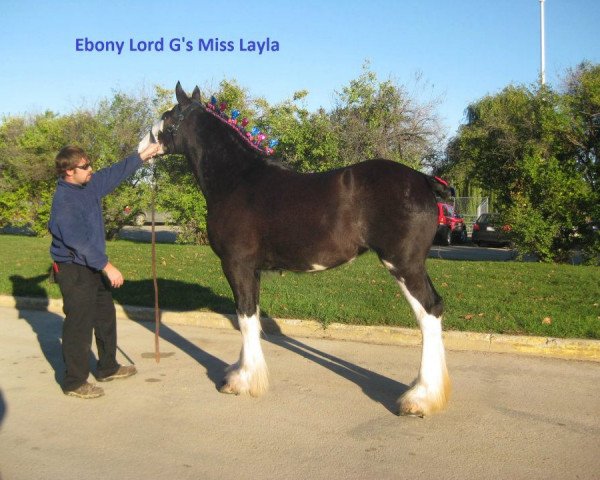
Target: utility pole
column 543, row 45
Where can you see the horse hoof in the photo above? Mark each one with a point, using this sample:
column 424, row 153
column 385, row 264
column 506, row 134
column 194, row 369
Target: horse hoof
column 227, row 388
column 410, row 410
column 411, row 414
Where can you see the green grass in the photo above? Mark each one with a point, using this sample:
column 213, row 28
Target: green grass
column 498, row 297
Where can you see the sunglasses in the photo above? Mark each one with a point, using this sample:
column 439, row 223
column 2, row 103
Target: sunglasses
column 85, row 166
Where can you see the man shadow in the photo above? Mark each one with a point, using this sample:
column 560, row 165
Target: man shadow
column 47, row 327
column 379, row 388
column 194, row 297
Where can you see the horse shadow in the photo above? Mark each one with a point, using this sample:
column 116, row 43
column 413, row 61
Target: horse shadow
column 195, row 297
column 47, row 328
column 379, row 388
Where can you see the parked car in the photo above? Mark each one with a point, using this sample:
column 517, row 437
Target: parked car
column 488, row 230
column 451, row 226
column 143, row 217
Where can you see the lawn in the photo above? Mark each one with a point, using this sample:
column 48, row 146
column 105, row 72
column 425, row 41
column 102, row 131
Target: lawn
column 493, row 297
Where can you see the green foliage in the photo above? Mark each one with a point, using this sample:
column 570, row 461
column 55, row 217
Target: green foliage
column 582, row 101
column 177, row 192
column 307, row 141
column 27, row 170
column 28, row 147
column 534, row 149
column 380, row 119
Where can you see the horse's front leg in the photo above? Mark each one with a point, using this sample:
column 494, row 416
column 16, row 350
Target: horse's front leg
column 249, row 374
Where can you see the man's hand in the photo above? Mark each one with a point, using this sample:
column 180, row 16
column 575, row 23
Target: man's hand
column 151, row 150
column 114, row 276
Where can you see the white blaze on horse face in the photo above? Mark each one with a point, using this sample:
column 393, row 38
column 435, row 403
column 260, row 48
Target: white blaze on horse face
column 432, row 387
column 146, row 141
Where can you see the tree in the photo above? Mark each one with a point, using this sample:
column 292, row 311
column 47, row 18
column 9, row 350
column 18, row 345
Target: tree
column 380, row 119
column 122, row 121
column 514, row 145
column 28, row 147
column 308, row 142
column 582, row 101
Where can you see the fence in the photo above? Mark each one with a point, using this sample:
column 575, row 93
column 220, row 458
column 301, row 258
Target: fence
column 470, row 208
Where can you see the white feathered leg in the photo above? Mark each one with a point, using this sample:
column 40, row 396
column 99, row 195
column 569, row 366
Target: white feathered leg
column 431, row 390
column 249, row 374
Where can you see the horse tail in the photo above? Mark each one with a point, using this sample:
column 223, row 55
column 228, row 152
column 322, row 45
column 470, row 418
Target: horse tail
column 440, row 187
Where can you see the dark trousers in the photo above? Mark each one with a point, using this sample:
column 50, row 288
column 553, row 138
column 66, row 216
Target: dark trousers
column 88, row 306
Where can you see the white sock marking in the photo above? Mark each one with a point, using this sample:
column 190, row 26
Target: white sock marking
column 251, row 355
column 432, row 383
column 249, row 374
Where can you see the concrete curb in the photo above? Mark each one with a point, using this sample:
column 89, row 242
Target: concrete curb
column 573, row 349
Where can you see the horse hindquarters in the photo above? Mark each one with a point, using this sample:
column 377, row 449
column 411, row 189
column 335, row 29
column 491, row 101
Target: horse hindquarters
column 402, row 237
column 431, row 390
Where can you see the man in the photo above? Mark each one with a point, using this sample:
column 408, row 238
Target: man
column 82, row 269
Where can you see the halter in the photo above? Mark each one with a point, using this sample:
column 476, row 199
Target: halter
column 180, row 117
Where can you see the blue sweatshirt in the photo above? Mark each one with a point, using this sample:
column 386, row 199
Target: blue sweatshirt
column 76, row 221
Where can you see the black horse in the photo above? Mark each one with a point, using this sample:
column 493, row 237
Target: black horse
column 263, row 216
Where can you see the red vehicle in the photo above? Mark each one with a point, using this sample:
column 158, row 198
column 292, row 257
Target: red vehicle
column 451, row 226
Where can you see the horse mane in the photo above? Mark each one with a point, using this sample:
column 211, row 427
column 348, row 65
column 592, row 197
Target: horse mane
column 240, row 136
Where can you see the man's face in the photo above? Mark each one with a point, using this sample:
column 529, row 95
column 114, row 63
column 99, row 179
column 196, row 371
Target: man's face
column 81, row 174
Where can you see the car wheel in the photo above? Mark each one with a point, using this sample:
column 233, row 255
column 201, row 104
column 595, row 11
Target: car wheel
column 462, row 238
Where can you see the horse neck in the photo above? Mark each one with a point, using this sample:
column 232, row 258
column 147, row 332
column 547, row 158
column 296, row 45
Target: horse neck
column 218, row 159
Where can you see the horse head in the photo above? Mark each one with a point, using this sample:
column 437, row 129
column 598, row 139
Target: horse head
column 167, row 130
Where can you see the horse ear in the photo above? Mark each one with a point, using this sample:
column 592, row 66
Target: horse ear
column 196, row 94
column 182, row 97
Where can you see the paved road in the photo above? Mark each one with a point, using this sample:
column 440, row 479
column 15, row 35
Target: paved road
column 168, row 234
column 328, row 415
column 164, row 233
column 472, row 252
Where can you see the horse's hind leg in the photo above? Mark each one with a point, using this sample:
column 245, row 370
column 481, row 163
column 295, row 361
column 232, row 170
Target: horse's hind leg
column 431, row 390
column 249, row 374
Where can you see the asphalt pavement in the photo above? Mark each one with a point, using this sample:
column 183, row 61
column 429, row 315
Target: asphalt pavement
column 330, row 412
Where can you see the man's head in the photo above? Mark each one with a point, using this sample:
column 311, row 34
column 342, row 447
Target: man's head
column 73, row 166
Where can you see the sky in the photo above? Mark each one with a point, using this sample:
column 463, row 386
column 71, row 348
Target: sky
column 461, row 50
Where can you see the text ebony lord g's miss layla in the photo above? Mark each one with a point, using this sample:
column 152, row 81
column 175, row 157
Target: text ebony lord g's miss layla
column 177, row 44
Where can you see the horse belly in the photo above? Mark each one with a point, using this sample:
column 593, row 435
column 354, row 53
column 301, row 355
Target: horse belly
column 306, row 247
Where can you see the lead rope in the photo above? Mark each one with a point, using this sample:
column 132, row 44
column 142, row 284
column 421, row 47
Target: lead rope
column 156, row 307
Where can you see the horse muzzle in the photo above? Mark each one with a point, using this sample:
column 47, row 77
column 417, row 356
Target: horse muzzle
column 152, row 136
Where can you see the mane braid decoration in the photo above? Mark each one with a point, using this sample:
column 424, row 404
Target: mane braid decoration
column 253, row 137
